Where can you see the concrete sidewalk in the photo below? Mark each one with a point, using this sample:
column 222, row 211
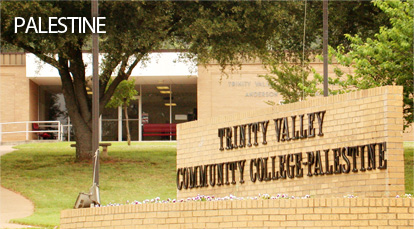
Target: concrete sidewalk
column 12, row 205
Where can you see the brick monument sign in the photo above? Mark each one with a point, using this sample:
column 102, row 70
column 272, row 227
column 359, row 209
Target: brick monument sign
column 328, row 146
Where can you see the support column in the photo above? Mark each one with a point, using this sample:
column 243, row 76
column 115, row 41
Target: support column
column 140, row 114
column 170, row 109
column 119, row 124
column 100, row 128
column 95, row 84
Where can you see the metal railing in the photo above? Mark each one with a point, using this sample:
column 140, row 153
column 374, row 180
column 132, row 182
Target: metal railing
column 28, row 128
column 68, row 131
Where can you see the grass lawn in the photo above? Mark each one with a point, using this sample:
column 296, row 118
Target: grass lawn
column 46, row 174
column 409, row 166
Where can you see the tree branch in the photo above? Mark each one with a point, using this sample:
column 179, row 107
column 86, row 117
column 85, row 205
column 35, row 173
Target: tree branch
column 132, row 66
column 111, row 89
column 77, row 69
column 68, row 92
column 106, row 75
column 39, row 54
column 121, row 76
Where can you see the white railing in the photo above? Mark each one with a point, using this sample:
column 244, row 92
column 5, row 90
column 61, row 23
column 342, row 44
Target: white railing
column 28, row 128
column 68, row 131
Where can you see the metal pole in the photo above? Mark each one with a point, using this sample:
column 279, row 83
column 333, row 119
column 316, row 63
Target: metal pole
column 27, row 131
column 119, row 124
column 59, row 133
column 93, row 197
column 95, row 83
column 325, row 48
column 95, row 89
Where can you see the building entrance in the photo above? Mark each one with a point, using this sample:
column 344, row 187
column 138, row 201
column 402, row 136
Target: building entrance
column 152, row 115
column 166, row 105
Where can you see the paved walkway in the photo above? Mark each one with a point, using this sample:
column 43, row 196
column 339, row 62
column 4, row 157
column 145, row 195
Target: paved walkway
column 12, row 205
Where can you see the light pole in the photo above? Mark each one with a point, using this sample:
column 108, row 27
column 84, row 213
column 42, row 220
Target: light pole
column 95, row 104
column 325, row 48
column 85, row 200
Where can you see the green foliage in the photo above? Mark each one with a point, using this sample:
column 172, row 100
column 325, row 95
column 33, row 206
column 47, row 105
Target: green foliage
column 293, row 48
column 227, row 31
column 224, row 31
column 123, row 94
column 386, row 59
column 46, row 174
column 289, row 80
column 345, row 17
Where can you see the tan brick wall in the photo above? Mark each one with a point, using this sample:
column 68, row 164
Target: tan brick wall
column 353, row 119
column 14, row 98
column 242, row 90
column 239, row 90
column 298, row 213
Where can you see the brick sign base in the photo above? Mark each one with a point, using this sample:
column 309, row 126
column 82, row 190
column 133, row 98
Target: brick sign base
column 301, row 213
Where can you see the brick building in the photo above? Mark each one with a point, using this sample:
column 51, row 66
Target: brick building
column 170, row 91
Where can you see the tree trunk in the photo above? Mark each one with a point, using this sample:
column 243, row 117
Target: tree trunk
column 127, row 125
column 77, row 103
column 83, row 144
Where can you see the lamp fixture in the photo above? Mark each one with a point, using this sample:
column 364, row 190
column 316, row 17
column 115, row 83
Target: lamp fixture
column 170, row 104
column 165, row 92
column 163, row 87
column 89, row 92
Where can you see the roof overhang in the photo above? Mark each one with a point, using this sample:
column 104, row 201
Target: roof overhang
column 158, row 68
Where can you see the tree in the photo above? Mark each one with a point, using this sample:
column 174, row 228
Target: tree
column 228, row 32
column 124, row 93
column 290, row 80
column 298, row 40
column 386, row 59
